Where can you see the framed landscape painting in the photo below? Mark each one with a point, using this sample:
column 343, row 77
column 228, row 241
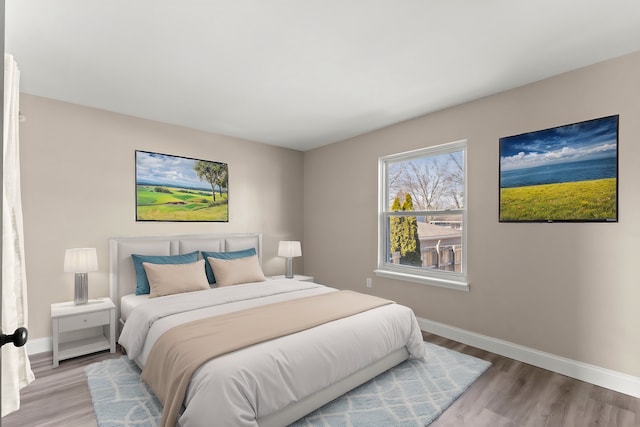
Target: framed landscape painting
column 175, row 188
column 563, row 174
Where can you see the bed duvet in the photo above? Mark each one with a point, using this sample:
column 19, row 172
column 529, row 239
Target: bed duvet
column 244, row 386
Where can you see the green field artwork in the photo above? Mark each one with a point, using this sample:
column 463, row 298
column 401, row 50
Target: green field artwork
column 564, row 174
column 174, row 188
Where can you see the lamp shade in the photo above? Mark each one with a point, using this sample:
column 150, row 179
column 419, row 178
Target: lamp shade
column 80, row 260
column 289, row 249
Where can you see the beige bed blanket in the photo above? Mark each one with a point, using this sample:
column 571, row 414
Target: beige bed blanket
column 180, row 351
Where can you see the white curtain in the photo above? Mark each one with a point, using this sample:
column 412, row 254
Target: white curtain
column 16, row 369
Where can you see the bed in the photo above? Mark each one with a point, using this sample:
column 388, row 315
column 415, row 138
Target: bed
column 270, row 383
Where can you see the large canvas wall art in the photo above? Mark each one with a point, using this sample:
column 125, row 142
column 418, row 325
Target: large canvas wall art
column 564, row 174
column 175, row 188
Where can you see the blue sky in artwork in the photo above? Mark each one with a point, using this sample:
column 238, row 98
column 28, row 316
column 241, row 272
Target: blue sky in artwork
column 593, row 139
column 167, row 170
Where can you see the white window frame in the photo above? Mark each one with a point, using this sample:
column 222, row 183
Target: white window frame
column 446, row 279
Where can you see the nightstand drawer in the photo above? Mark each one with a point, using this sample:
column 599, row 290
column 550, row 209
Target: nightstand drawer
column 82, row 321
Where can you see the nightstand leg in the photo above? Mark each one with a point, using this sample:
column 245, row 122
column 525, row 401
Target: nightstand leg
column 56, row 339
column 112, row 331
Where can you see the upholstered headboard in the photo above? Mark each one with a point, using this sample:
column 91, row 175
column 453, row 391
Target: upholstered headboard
column 122, row 276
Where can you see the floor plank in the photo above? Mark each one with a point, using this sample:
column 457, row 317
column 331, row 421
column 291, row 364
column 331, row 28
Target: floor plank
column 508, row 394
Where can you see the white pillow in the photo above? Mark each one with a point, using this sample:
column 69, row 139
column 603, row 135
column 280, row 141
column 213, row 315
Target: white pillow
column 236, row 271
column 167, row 279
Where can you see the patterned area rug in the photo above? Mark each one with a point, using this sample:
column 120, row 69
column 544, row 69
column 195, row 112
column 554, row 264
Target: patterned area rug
column 413, row 393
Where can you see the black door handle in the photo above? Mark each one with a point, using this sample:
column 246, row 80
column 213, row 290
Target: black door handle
column 18, row 338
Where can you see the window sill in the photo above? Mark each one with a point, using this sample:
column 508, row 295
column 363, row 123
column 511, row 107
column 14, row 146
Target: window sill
column 432, row 281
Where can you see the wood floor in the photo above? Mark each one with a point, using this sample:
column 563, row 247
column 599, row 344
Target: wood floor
column 59, row 397
column 514, row 394
column 508, row 394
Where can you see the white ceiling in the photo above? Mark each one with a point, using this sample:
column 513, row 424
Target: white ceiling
column 303, row 73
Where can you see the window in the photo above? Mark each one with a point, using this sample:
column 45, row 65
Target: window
column 422, row 216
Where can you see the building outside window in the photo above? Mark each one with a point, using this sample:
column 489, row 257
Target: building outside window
column 422, row 216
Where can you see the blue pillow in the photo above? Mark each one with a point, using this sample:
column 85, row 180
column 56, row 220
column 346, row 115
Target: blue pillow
column 142, row 282
column 223, row 255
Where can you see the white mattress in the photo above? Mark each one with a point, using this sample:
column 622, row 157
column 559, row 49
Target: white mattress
column 129, row 302
column 241, row 387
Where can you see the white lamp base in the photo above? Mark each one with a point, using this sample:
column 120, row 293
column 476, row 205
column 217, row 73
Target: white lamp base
column 289, row 273
column 81, row 295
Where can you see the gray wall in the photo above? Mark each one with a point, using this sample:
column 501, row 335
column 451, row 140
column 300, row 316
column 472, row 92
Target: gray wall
column 567, row 289
column 78, row 189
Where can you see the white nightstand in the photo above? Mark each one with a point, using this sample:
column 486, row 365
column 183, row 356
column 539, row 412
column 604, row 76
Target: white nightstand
column 297, row 277
column 83, row 329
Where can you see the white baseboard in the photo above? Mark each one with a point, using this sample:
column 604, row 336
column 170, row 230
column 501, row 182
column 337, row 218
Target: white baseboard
column 602, row 377
column 39, row 345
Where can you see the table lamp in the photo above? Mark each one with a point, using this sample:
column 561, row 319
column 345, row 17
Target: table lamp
column 81, row 261
column 289, row 249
